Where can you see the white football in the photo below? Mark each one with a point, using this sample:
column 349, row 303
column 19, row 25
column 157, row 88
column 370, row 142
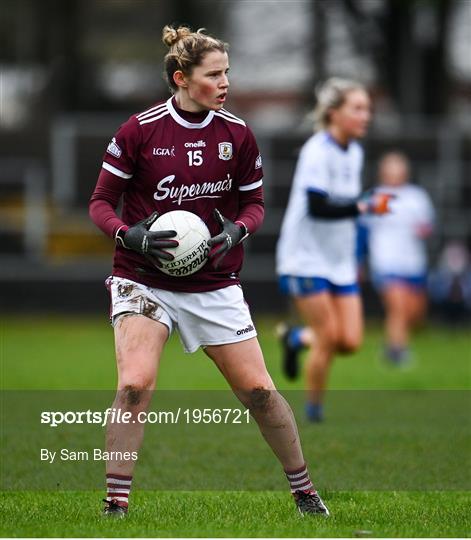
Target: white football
column 192, row 251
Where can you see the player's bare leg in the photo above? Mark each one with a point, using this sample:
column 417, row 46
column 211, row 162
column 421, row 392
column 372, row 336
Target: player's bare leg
column 395, row 299
column 139, row 342
column 243, row 366
column 405, row 309
column 318, row 310
column 349, row 311
column 396, row 315
column 417, row 307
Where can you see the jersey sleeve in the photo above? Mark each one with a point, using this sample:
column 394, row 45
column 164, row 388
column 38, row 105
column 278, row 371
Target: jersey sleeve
column 104, row 201
column 122, row 151
column 249, row 168
column 427, row 214
column 312, row 173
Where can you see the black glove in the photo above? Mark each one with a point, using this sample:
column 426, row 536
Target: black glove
column 231, row 235
column 148, row 243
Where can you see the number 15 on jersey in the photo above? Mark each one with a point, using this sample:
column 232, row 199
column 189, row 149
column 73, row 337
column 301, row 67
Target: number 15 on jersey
column 195, row 158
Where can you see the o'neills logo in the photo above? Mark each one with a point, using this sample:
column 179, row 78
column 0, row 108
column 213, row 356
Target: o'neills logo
column 245, row 330
column 197, row 144
column 190, row 192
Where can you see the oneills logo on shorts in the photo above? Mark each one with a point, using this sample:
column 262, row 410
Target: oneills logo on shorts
column 225, row 150
column 114, row 149
column 245, row 330
column 258, row 162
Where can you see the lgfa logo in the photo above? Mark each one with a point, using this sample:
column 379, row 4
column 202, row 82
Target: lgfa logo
column 164, row 151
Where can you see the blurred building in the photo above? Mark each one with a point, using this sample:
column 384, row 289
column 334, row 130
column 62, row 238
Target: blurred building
column 72, row 71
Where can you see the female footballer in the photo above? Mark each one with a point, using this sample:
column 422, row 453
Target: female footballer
column 189, row 140
column 397, row 254
column 316, row 249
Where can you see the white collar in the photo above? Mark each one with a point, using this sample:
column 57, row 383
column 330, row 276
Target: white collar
column 190, row 125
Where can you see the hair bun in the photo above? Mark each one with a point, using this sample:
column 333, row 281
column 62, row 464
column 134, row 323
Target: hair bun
column 170, row 35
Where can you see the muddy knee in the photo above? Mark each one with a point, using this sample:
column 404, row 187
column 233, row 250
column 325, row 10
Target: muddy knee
column 259, row 399
column 134, row 394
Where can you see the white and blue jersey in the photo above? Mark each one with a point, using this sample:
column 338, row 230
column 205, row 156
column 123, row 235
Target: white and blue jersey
column 396, row 241
column 314, row 247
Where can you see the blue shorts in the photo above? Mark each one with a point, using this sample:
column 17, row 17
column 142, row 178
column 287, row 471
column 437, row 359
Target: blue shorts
column 383, row 281
column 303, row 286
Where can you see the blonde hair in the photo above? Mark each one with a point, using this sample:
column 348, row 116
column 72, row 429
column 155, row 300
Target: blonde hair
column 331, row 95
column 186, row 50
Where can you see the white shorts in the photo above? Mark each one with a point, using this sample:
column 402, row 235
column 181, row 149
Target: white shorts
column 202, row 318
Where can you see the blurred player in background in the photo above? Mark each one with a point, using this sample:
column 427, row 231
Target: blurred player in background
column 187, row 153
column 449, row 283
column 316, row 260
column 397, row 253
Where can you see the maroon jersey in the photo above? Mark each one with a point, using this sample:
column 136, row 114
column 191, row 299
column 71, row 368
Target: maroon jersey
column 166, row 159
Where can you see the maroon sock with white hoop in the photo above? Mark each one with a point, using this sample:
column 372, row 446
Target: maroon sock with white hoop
column 118, row 487
column 299, row 480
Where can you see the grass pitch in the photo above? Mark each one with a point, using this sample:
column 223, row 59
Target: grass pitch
column 77, row 353
column 238, row 514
